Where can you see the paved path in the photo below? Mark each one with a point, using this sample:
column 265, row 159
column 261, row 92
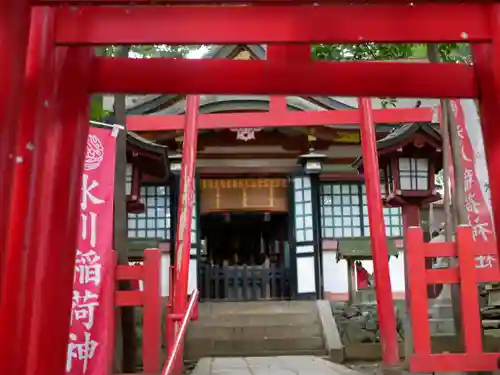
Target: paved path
column 285, row 365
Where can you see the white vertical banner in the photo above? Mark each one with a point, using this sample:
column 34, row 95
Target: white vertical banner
column 476, row 179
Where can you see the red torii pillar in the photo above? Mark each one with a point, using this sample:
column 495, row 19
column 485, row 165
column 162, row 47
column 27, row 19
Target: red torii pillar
column 184, row 215
column 378, row 237
column 17, row 283
column 14, row 30
column 42, row 245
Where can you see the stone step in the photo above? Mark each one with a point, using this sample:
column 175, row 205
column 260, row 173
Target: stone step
column 263, row 353
column 255, row 320
column 251, row 347
column 441, row 325
column 256, row 307
column 283, row 331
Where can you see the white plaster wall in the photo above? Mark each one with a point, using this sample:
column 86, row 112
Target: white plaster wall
column 335, row 274
column 165, row 279
column 164, row 271
column 193, row 275
column 305, row 267
column 397, row 270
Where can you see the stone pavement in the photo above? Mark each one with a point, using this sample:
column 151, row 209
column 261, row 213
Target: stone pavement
column 284, row 365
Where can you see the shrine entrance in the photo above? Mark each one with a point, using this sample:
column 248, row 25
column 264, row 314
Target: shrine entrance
column 245, row 256
column 244, row 252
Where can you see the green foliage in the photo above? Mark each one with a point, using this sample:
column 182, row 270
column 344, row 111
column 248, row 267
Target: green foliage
column 453, row 52
column 151, row 51
column 367, row 51
column 374, row 51
column 97, row 112
column 161, row 51
column 439, row 180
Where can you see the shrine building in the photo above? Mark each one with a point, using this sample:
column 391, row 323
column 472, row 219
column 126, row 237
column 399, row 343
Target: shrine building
column 280, row 213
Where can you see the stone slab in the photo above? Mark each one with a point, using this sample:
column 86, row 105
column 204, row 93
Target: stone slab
column 283, row 365
column 330, row 332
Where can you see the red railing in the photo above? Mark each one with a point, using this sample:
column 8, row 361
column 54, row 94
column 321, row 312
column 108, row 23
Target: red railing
column 171, row 339
column 173, row 365
column 467, row 275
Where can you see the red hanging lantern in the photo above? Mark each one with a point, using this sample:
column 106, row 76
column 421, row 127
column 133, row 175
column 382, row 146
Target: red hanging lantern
column 135, row 203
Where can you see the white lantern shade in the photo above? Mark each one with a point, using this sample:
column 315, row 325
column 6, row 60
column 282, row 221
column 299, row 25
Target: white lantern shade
column 413, row 174
column 313, row 166
column 175, row 163
column 312, row 163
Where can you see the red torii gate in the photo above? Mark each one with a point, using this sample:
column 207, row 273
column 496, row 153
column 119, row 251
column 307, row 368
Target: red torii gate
column 51, row 114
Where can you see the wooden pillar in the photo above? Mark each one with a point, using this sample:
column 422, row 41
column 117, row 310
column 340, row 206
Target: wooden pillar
column 351, row 283
column 411, row 218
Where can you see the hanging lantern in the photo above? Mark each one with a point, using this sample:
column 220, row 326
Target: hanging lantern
column 135, row 202
column 312, row 162
column 175, row 162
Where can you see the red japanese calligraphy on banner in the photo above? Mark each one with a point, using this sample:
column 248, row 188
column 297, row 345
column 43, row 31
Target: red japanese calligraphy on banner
column 476, row 180
column 89, row 346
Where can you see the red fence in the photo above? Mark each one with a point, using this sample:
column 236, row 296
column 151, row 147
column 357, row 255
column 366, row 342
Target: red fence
column 150, row 299
column 467, row 275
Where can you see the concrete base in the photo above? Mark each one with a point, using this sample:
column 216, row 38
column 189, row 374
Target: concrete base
column 371, row 352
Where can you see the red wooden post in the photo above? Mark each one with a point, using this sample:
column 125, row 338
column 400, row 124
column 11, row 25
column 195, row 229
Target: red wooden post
column 63, row 138
column 170, row 327
column 151, row 341
column 486, row 63
column 471, row 318
column 17, row 285
column 378, row 238
column 185, row 212
column 417, row 278
column 112, row 316
column 14, row 31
